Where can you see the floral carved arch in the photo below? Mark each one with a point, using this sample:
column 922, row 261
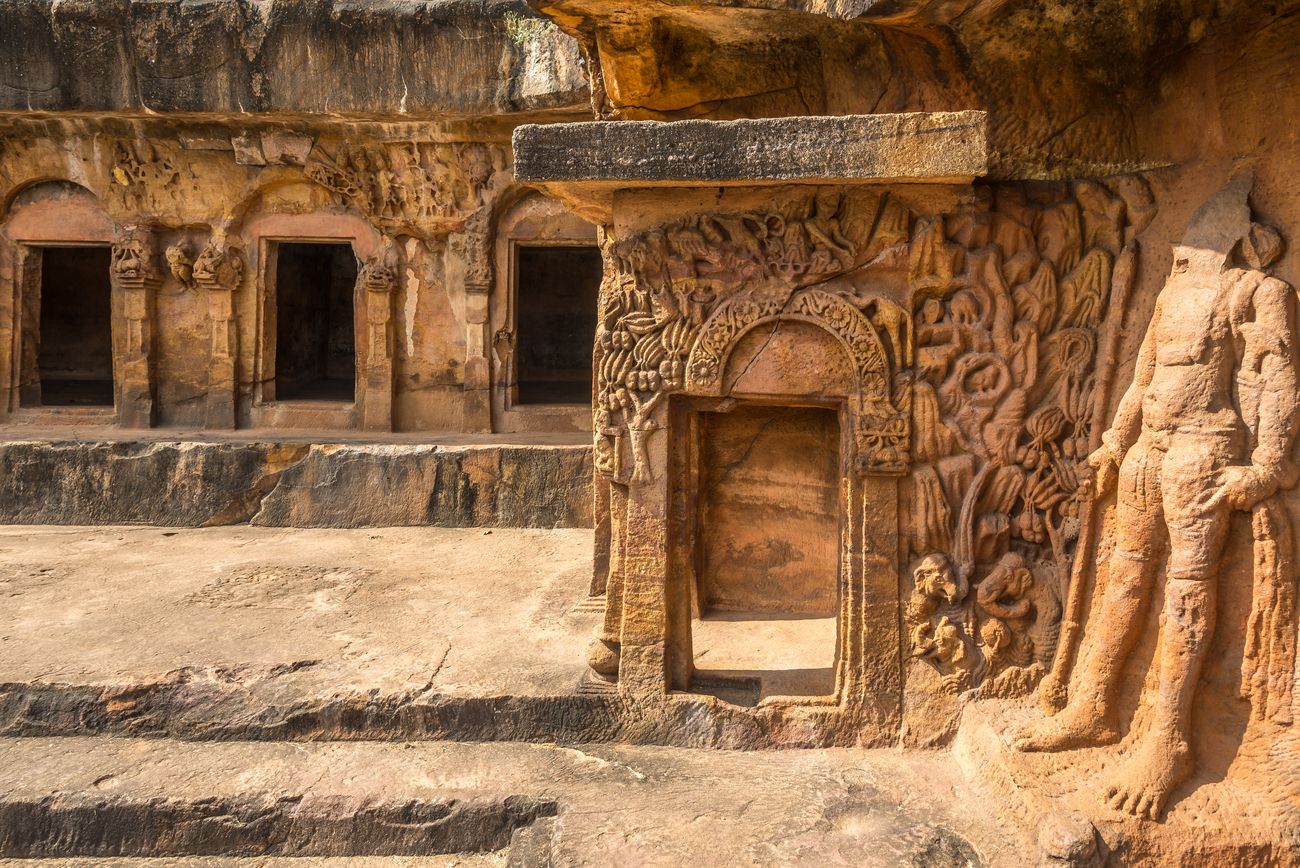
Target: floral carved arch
column 880, row 427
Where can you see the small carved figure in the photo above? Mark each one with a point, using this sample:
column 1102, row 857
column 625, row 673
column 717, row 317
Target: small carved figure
column 220, row 262
column 379, row 271
column 1185, row 454
column 131, row 254
column 180, row 264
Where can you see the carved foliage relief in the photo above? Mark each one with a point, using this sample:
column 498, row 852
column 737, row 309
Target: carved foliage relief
column 404, row 187
column 1015, row 310
column 985, row 391
column 677, row 299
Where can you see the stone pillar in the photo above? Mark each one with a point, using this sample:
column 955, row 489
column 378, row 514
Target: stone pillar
column 378, row 281
column 12, row 315
column 135, row 280
column 478, row 377
column 218, row 271
column 475, row 249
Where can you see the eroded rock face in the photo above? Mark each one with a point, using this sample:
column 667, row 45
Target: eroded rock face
column 194, row 484
column 1071, row 86
column 449, row 57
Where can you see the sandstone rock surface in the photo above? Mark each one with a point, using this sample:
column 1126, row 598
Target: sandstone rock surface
column 451, row 57
column 206, row 483
column 941, row 145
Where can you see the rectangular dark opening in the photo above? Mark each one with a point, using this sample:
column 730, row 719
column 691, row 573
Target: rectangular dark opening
column 556, row 323
column 315, row 353
column 767, row 552
column 75, row 354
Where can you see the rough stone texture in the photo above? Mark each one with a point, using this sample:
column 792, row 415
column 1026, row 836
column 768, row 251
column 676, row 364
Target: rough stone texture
column 447, row 57
column 99, row 825
column 841, row 807
column 196, row 484
column 1242, row 815
column 1071, row 86
column 937, row 146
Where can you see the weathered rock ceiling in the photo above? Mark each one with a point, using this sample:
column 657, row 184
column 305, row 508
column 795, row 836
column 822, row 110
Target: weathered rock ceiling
column 370, row 58
column 1067, row 83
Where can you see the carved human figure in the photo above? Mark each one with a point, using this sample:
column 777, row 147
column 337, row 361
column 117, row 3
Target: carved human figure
column 1188, row 447
column 180, row 263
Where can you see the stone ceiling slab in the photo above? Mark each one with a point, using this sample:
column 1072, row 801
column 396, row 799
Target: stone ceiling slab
column 919, row 146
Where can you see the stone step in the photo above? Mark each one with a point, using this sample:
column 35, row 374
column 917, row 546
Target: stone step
column 295, row 482
column 249, row 632
column 531, row 805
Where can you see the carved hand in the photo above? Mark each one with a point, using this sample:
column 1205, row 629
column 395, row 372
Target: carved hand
column 1242, row 486
column 1105, row 469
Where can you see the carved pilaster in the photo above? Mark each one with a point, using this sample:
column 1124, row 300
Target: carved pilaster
column 474, row 246
column 218, row 272
column 378, row 281
column 135, row 280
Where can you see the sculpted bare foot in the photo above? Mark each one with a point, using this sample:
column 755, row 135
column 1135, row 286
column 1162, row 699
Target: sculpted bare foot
column 1076, row 726
column 1142, row 785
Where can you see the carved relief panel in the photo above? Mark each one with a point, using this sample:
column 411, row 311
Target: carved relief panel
column 1017, row 303
column 974, row 334
column 434, row 198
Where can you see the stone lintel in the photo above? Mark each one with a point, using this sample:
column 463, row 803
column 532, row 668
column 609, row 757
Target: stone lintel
column 942, row 147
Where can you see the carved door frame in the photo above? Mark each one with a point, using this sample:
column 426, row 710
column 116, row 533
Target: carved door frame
column 656, row 620
column 52, row 224
column 508, row 415
column 262, row 235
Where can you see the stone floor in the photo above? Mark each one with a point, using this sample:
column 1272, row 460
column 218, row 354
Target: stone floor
column 393, row 610
column 611, row 805
column 261, row 623
column 297, row 616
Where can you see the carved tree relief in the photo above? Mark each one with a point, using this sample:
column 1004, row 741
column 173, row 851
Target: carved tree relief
column 1016, row 307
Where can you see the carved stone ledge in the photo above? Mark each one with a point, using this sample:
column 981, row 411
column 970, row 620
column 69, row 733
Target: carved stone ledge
column 919, row 146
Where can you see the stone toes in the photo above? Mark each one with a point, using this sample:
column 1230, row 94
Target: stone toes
column 1126, row 801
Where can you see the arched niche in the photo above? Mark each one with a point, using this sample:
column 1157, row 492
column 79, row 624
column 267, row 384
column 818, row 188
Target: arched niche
column 536, row 233
column 57, row 211
column 62, row 217
column 784, row 459
column 264, row 232
column 788, row 358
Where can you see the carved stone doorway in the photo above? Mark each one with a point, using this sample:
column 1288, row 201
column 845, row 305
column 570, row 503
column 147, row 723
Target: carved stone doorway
column 766, row 550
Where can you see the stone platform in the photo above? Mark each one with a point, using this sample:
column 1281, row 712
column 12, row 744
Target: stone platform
column 1245, row 814
column 309, row 480
column 385, row 633
column 243, row 631
column 534, row 805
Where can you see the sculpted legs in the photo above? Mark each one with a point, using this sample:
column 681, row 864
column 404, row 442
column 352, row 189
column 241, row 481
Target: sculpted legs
column 1163, row 756
column 1198, row 525
column 1088, row 717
